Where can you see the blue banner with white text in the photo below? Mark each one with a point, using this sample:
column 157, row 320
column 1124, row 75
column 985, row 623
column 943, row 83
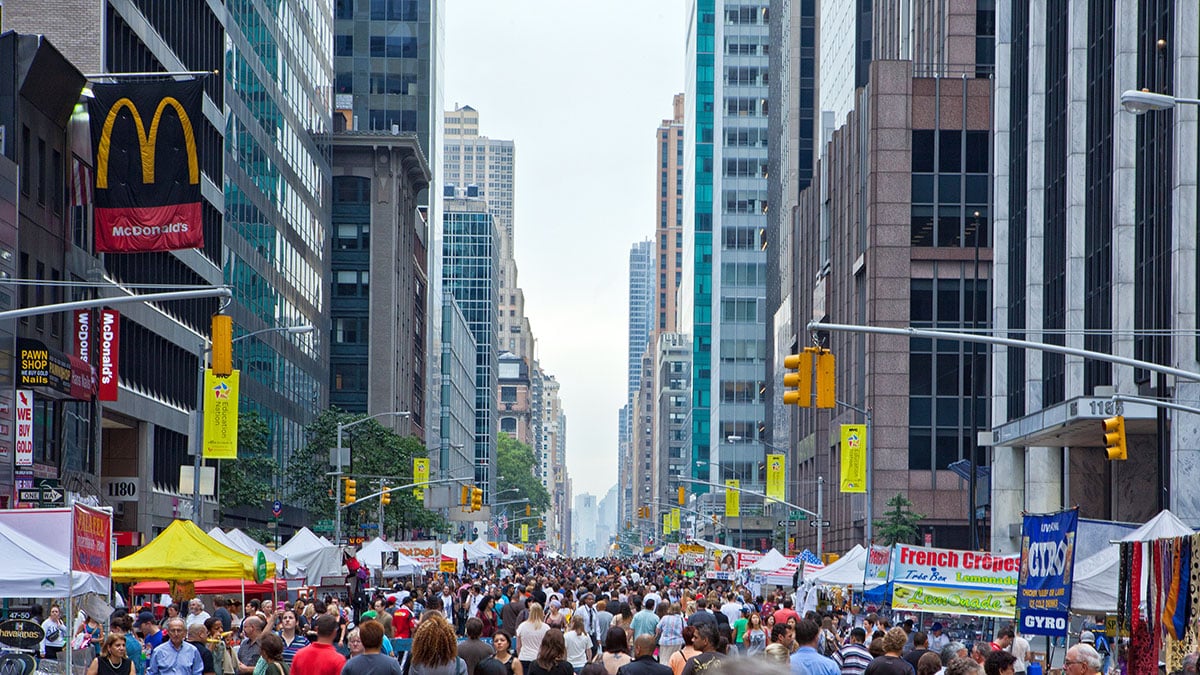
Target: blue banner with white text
column 1047, row 563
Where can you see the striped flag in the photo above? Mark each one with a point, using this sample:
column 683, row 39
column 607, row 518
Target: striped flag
column 811, row 562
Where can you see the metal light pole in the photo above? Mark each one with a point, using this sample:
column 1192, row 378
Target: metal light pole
column 198, row 460
column 819, row 514
column 337, row 463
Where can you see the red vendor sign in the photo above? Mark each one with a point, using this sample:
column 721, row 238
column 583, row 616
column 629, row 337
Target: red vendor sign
column 91, row 541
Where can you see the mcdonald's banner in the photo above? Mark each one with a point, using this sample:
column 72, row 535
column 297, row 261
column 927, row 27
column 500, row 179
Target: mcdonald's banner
column 732, row 498
column 854, row 458
column 220, row 415
column 775, row 476
column 420, row 475
column 147, row 169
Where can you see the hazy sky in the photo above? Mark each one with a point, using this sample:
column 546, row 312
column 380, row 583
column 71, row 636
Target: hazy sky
column 580, row 86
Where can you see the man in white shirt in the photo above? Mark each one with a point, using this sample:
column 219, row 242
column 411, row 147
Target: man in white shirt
column 731, row 609
column 473, row 599
column 938, row 638
column 653, row 595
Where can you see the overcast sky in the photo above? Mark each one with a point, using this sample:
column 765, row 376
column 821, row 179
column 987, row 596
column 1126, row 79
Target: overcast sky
column 580, row 86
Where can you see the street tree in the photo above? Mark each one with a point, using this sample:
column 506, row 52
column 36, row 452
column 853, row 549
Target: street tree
column 249, row 479
column 375, row 451
column 516, row 467
column 899, row 524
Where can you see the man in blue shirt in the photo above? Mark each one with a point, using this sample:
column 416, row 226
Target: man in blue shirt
column 175, row 657
column 807, row 660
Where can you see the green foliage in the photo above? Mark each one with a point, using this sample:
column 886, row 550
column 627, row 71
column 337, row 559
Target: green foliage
column 249, row 479
column 375, row 451
column 515, row 467
column 899, row 524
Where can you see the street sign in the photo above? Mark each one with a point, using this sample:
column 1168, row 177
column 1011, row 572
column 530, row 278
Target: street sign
column 797, row 515
column 53, row 496
column 277, row 508
column 30, row 495
column 323, row 526
column 784, row 523
column 823, row 523
column 369, row 526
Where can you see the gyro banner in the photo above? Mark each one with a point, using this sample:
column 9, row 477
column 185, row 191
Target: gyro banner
column 1047, row 565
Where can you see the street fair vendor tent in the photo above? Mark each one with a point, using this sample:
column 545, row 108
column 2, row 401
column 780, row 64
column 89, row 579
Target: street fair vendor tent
column 185, row 553
column 771, row 560
column 244, row 543
column 371, row 555
column 482, row 546
column 315, row 556
column 37, row 545
column 1096, row 578
column 846, row 571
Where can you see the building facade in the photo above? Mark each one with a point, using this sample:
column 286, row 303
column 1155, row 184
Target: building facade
column 470, row 261
column 1095, row 244
column 672, row 415
column 380, row 282
column 515, row 410
column 456, row 400
column 486, row 163
column 668, row 235
column 725, row 205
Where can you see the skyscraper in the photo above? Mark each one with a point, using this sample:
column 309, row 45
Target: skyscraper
column 724, row 231
column 668, row 236
column 470, row 260
column 486, row 163
column 641, row 308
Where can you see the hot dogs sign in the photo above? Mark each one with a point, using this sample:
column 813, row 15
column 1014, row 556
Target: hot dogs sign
column 955, row 582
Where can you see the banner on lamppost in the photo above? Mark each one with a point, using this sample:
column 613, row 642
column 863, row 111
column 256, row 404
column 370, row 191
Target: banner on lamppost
column 147, row 194
column 81, row 334
column 420, row 475
column 524, row 533
column 666, row 524
column 775, row 477
column 674, row 520
column 220, row 415
column 854, row 458
column 732, row 498
column 1047, row 565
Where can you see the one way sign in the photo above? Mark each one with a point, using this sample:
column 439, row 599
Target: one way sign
column 52, row 496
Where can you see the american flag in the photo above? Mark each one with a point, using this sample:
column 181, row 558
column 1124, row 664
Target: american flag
column 811, row 562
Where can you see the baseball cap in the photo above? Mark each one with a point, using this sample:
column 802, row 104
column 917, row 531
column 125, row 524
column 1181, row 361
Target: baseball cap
column 1087, row 637
column 937, row 625
column 146, row 617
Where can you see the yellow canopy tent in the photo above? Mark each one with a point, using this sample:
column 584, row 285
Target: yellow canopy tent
column 185, row 553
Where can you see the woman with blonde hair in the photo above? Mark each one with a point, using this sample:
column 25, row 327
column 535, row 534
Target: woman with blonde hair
column 530, row 634
column 670, row 633
column 578, row 644
column 435, row 649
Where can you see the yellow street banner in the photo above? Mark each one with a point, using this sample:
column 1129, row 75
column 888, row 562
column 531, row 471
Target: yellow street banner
column 666, row 523
column 946, row 600
column 854, row 458
column 732, row 498
column 674, row 520
column 420, row 475
column 775, row 477
column 524, row 533
column 448, row 565
column 220, row 415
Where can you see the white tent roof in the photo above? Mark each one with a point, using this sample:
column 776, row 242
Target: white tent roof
column 770, row 562
column 315, row 557
column 1095, row 586
column 721, row 547
column 846, row 571
column 370, row 555
column 483, row 548
column 244, row 543
column 33, row 570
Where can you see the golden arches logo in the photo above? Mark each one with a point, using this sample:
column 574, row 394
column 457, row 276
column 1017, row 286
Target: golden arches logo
column 146, row 142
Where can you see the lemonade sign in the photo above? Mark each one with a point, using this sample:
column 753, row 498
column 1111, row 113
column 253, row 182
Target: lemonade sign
column 955, row 582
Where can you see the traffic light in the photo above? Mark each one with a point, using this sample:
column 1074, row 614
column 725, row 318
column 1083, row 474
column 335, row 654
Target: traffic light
column 714, row 518
column 465, row 498
column 349, row 491
column 528, row 511
column 222, row 345
column 682, row 496
column 540, row 522
column 476, row 499
column 798, row 384
column 386, row 497
column 1114, row 438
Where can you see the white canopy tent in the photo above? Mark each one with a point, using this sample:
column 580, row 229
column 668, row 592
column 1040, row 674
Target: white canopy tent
column 371, row 556
column 32, row 569
column 482, row 546
column 318, row 559
column 771, row 561
column 1094, row 589
column 846, row 571
column 244, row 543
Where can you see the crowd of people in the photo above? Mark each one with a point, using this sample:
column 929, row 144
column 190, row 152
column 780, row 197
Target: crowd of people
column 541, row 617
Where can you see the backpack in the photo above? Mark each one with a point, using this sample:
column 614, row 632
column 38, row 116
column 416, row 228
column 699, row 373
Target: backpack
column 829, row 645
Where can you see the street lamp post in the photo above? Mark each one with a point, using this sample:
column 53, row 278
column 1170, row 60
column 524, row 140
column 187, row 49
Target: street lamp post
column 205, row 348
column 337, row 473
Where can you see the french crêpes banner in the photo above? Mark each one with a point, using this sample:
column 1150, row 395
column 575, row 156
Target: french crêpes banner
column 955, row 582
